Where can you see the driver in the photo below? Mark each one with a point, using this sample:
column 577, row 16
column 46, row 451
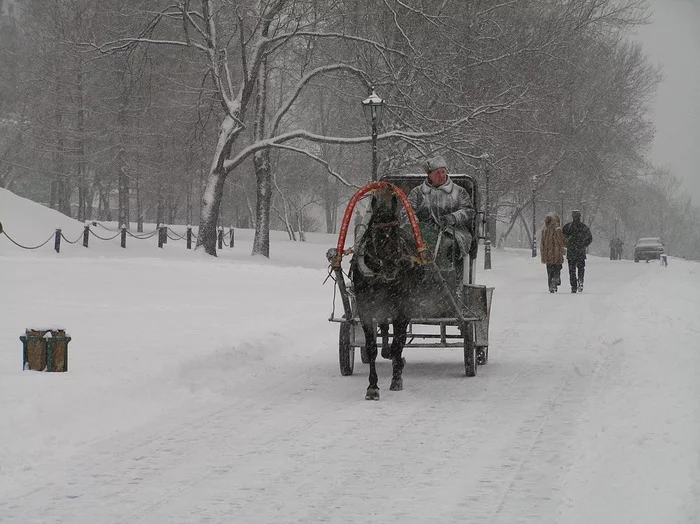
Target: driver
column 440, row 204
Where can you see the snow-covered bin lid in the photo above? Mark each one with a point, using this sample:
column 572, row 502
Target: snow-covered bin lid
column 50, row 330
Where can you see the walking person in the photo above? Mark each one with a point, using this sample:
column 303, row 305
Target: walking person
column 618, row 248
column 578, row 238
column 552, row 250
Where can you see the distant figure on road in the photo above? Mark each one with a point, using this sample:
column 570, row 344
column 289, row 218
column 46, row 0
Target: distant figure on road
column 616, row 248
column 578, row 238
column 552, row 250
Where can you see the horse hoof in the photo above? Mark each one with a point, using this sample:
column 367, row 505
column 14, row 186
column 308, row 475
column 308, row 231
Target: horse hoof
column 396, row 385
column 386, row 353
column 372, row 394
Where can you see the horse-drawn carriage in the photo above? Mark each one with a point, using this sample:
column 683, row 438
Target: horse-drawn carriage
column 445, row 306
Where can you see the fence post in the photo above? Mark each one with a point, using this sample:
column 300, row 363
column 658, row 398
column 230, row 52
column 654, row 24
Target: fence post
column 161, row 229
column 165, row 234
column 57, row 240
column 189, row 236
column 123, row 236
column 231, row 242
column 220, row 237
column 86, row 234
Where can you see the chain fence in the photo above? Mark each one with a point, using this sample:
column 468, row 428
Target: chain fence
column 164, row 233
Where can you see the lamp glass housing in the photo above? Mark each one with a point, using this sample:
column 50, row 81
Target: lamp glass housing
column 374, row 109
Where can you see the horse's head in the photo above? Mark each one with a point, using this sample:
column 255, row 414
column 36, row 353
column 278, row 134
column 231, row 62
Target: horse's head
column 385, row 206
column 386, row 247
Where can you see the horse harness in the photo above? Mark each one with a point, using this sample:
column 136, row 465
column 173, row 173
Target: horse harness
column 383, row 233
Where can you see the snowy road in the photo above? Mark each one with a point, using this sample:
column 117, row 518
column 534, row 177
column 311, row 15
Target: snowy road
column 201, row 410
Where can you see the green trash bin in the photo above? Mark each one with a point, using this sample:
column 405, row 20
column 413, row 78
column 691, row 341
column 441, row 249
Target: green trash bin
column 45, row 350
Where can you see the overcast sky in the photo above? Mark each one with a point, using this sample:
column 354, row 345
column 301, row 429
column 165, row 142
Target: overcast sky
column 673, row 41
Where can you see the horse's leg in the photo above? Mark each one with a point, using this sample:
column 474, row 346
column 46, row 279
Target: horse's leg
column 386, row 349
column 371, row 346
column 397, row 360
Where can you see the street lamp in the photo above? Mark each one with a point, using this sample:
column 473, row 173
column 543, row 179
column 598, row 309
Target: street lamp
column 373, row 107
column 487, row 215
column 562, row 194
column 534, row 217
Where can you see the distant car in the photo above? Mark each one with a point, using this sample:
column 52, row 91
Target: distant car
column 649, row 248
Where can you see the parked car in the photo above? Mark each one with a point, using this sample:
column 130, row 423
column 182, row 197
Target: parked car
column 648, row 248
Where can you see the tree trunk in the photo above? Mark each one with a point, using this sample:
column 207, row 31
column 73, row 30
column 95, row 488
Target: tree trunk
column 159, row 204
column 123, row 193
column 82, row 181
column 331, row 204
column 214, row 186
column 300, row 225
column 104, row 212
column 172, row 208
column 91, row 190
column 527, row 229
column 139, row 207
column 188, row 203
column 263, row 178
column 211, row 202
column 60, row 189
column 261, row 242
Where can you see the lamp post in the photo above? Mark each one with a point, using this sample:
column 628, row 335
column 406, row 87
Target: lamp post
column 534, row 217
column 562, row 194
column 487, row 215
column 373, row 107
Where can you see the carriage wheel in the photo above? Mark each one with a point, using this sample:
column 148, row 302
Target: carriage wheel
column 346, row 353
column 469, row 349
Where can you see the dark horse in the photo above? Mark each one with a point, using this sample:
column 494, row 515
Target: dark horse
column 385, row 272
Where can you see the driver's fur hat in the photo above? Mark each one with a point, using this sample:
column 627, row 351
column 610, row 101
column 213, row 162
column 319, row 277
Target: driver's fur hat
column 575, row 214
column 434, row 163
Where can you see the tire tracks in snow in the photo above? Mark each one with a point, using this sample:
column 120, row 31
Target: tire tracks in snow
column 302, row 445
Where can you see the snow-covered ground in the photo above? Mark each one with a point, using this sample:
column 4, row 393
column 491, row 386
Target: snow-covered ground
column 208, row 390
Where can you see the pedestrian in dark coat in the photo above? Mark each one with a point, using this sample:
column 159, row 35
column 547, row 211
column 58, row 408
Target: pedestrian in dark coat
column 578, row 238
column 552, row 250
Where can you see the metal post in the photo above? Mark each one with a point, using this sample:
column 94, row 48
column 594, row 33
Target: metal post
column 374, row 144
column 231, row 240
column 123, row 239
column 373, row 109
column 534, row 224
column 561, row 210
column 189, row 237
column 487, row 216
column 57, row 240
column 86, row 234
column 220, row 238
